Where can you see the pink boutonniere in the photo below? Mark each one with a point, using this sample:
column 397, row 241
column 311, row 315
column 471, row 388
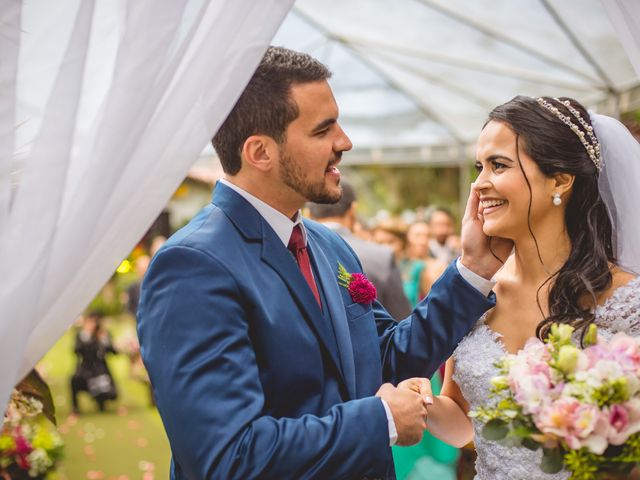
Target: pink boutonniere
column 357, row 284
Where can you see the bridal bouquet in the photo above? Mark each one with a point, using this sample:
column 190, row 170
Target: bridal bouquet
column 581, row 406
column 29, row 444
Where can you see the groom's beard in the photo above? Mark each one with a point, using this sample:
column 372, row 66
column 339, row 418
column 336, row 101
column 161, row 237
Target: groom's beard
column 293, row 175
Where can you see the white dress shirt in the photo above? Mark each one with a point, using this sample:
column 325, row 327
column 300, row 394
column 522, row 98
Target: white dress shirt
column 279, row 222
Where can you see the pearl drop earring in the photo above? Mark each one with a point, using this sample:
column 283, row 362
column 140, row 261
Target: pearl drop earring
column 557, row 201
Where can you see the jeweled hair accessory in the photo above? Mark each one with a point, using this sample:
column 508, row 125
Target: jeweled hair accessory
column 591, row 145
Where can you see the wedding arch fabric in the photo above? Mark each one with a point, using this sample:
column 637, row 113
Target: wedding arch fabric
column 104, row 106
column 625, row 17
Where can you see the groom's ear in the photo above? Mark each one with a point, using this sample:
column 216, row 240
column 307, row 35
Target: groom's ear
column 260, row 152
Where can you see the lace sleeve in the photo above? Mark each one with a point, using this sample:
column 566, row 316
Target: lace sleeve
column 621, row 312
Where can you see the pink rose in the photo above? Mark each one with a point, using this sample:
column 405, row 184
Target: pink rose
column 22, row 450
column 618, row 418
column 625, row 351
column 584, row 420
column 597, row 441
column 537, row 350
column 531, row 391
column 622, row 343
column 530, row 377
column 569, row 419
column 596, row 353
column 23, row 447
column 624, row 420
column 556, row 418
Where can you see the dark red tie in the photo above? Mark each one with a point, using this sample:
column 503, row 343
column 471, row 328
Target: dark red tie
column 299, row 250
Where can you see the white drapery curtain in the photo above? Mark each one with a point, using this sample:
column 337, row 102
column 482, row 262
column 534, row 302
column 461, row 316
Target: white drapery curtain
column 625, row 17
column 104, row 105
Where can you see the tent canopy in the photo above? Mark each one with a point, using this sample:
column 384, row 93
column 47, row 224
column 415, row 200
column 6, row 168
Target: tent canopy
column 415, row 79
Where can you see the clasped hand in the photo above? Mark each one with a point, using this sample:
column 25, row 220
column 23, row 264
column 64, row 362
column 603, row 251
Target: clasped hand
column 408, row 403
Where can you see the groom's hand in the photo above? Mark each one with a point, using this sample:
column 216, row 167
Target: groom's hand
column 408, row 410
column 481, row 254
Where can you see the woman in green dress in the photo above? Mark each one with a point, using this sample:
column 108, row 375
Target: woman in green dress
column 431, row 459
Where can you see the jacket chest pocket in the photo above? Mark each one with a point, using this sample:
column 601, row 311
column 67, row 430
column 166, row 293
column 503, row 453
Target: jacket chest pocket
column 357, row 310
column 366, row 349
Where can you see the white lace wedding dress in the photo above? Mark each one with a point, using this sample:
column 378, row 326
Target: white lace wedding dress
column 474, row 367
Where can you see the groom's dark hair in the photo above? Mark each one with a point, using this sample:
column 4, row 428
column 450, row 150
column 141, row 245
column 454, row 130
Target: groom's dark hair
column 265, row 106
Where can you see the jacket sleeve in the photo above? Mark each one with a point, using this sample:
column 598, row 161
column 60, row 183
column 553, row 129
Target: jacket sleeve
column 418, row 345
column 194, row 333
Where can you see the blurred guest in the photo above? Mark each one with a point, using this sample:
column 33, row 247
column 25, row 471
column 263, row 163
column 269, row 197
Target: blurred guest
column 110, row 300
column 431, row 458
column 411, row 246
column 140, row 266
column 393, row 233
column 441, row 226
column 417, row 246
column 413, row 261
column 156, row 243
column 422, row 267
column 128, row 344
column 454, row 244
column 361, row 229
column 92, row 375
column 378, row 261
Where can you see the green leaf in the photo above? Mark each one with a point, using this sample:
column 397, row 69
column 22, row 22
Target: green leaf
column 344, row 277
column 495, row 429
column 521, row 432
column 34, row 386
column 551, row 460
column 591, row 337
column 530, row 444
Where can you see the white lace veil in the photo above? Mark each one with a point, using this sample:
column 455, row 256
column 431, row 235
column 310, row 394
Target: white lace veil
column 619, row 185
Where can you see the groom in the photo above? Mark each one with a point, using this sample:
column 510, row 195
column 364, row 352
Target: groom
column 262, row 362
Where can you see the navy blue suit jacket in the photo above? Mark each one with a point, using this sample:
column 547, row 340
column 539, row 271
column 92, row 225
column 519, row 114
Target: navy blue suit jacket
column 252, row 378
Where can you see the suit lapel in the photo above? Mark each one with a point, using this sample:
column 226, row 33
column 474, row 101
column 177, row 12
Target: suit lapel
column 255, row 228
column 329, row 283
column 280, row 259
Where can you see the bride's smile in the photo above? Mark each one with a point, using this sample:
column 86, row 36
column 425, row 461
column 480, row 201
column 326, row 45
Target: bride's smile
column 514, row 194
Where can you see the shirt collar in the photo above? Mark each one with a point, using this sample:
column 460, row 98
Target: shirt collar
column 279, row 222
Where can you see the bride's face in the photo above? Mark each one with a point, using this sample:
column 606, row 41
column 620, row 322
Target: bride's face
column 502, row 187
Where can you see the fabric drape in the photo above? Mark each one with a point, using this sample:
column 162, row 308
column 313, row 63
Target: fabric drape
column 625, row 17
column 104, row 106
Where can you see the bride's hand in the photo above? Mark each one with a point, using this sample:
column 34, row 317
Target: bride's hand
column 419, row 385
column 479, row 251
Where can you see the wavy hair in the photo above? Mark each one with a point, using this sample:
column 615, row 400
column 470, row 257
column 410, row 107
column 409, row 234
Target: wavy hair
column 555, row 148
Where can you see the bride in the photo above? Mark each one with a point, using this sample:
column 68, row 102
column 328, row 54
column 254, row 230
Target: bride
column 553, row 185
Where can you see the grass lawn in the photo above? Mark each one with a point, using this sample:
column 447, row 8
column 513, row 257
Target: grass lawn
column 127, row 442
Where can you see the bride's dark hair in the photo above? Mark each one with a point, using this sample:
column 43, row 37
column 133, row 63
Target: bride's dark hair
column 557, row 149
